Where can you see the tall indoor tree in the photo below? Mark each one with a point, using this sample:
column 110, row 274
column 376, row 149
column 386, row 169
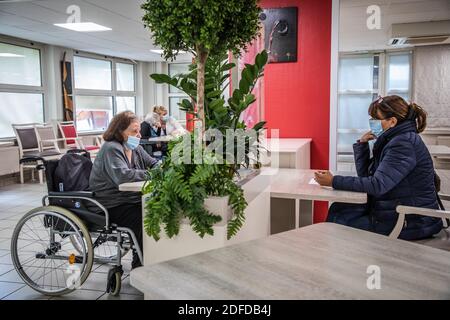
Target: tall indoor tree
column 202, row 27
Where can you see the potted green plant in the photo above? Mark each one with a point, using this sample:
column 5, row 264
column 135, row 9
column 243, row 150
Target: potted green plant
column 179, row 190
column 207, row 193
column 202, row 27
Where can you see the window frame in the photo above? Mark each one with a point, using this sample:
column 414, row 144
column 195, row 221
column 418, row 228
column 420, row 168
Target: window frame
column 388, row 56
column 104, row 93
column 17, row 88
column 382, row 90
column 170, row 95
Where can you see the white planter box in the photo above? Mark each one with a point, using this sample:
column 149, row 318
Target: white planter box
column 187, row 242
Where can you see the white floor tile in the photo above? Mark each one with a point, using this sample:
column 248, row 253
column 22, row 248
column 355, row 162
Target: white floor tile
column 11, row 276
column 26, row 293
column 5, row 268
column 122, row 296
column 80, row 295
column 6, row 288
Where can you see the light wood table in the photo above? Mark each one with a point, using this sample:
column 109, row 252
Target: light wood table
column 132, row 186
column 323, row 261
column 439, row 151
column 160, row 139
column 289, row 153
column 294, row 185
column 291, row 197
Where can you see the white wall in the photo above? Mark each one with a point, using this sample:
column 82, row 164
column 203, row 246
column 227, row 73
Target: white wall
column 432, row 83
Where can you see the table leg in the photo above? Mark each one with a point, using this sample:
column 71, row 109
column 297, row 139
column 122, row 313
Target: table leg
column 305, row 213
column 283, row 215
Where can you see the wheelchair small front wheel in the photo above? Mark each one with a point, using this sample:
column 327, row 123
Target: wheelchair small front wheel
column 115, row 283
column 43, row 254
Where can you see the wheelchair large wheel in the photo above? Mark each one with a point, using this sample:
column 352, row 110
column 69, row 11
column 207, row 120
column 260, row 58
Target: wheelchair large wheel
column 104, row 246
column 43, row 254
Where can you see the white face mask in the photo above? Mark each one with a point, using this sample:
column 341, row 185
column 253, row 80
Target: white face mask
column 376, row 127
column 132, row 142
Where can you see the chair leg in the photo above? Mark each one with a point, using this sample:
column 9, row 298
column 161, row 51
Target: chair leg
column 32, row 175
column 21, row 173
column 41, row 176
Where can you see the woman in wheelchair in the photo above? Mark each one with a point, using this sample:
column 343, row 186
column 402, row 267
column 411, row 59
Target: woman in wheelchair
column 121, row 159
column 84, row 218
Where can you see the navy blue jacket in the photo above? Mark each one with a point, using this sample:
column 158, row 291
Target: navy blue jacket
column 400, row 172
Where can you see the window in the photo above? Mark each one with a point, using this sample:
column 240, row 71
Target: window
column 125, row 104
column 361, row 79
column 21, row 90
column 93, row 112
column 399, row 75
column 125, row 77
column 176, row 95
column 103, row 87
column 92, row 74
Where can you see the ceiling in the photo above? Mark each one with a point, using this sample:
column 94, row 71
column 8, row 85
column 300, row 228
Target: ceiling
column 34, row 19
column 354, row 34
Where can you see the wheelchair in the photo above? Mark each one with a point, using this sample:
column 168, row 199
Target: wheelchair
column 54, row 247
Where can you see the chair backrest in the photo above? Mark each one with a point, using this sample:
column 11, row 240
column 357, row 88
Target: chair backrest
column 27, row 139
column 44, row 133
column 68, row 130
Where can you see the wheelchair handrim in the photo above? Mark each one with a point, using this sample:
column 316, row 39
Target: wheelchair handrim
column 78, row 228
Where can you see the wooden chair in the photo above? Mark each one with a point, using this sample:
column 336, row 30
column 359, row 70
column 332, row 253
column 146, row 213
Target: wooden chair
column 441, row 240
column 32, row 144
column 73, row 141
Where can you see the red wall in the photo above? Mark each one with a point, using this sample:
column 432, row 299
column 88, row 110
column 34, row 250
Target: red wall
column 297, row 95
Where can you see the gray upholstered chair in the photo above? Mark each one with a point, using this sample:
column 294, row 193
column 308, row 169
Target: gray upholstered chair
column 31, row 145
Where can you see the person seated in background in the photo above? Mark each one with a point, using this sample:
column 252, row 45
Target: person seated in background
column 121, row 159
column 151, row 127
column 400, row 172
column 170, row 124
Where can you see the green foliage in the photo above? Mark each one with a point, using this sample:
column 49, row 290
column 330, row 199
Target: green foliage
column 219, row 113
column 212, row 26
column 178, row 191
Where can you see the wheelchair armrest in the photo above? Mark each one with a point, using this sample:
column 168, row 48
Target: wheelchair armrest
column 72, row 194
column 83, row 195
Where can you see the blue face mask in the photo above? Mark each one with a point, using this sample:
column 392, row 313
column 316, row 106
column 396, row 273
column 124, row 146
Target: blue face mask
column 132, row 142
column 165, row 118
column 375, row 127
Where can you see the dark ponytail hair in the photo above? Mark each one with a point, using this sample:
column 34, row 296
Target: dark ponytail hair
column 420, row 116
column 397, row 107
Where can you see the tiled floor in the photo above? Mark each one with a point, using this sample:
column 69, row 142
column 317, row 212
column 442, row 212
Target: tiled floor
column 15, row 201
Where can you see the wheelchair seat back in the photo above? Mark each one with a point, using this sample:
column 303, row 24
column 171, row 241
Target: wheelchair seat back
column 71, row 173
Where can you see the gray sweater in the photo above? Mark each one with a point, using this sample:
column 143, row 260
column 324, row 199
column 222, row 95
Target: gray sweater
column 112, row 168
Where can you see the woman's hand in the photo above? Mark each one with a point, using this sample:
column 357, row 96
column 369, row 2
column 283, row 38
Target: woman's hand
column 324, row 178
column 367, row 137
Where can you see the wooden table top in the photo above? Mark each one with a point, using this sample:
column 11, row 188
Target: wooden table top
column 295, row 184
column 289, row 184
column 322, row 261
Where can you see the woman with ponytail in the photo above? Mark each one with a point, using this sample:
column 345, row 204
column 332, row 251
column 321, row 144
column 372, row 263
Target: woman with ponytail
column 400, row 172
